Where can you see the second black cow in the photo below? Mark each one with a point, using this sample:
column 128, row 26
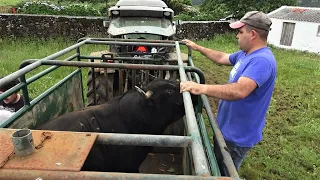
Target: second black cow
column 134, row 112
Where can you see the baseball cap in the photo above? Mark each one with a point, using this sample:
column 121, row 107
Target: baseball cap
column 255, row 19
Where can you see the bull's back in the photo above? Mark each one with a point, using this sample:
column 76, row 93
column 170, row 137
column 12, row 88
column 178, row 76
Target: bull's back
column 74, row 121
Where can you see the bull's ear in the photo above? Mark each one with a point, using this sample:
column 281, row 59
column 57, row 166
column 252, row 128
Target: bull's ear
column 148, row 94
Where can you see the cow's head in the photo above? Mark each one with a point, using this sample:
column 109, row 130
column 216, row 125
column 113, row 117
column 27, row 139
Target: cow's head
column 165, row 99
column 165, row 91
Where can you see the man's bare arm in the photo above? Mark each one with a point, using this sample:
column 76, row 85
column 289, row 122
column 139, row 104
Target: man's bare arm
column 215, row 56
column 234, row 91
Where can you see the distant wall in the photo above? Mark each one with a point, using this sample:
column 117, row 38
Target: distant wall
column 43, row 26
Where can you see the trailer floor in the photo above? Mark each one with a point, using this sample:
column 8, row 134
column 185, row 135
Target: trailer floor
column 161, row 163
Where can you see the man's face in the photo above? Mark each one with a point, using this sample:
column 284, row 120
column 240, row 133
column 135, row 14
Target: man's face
column 244, row 39
column 10, row 99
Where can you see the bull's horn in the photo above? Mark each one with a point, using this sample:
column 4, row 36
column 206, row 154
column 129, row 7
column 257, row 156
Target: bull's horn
column 140, row 90
column 149, row 94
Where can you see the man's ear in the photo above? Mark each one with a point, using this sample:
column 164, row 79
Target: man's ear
column 254, row 34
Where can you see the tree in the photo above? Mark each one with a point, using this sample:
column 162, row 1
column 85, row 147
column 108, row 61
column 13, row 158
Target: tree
column 177, row 5
column 239, row 7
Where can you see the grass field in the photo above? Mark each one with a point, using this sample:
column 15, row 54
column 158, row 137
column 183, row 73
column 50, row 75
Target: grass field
column 10, row 2
column 291, row 145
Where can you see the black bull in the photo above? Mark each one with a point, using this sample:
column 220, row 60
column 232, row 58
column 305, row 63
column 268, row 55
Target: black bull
column 135, row 113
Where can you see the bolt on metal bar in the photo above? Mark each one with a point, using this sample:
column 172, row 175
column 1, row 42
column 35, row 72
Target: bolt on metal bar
column 200, row 161
column 143, row 140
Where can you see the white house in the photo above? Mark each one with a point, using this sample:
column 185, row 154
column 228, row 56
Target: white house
column 296, row 28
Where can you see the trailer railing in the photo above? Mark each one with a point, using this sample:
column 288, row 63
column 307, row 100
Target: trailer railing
column 197, row 139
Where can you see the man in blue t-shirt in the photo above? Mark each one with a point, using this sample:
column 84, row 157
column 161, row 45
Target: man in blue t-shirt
column 246, row 97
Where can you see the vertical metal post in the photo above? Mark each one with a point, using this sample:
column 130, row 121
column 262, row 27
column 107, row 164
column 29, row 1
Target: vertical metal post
column 217, row 133
column 25, row 93
column 200, row 161
column 93, row 77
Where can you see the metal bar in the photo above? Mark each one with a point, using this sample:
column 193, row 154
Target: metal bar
column 129, row 43
column 126, row 58
column 120, row 66
column 217, row 133
column 143, row 140
column 211, row 156
column 133, row 79
column 66, row 50
column 19, row 73
column 25, row 69
column 82, row 88
column 93, row 79
column 30, row 68
column 200, row 161
column 25, row 93
column 209, row 151
column 133, row 40
column 17, row 174
column 35, row 77
column 46, row 71
column 220, row 140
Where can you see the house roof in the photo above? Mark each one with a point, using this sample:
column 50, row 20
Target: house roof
column 297, row 14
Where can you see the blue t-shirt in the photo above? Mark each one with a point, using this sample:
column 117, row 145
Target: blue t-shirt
column 242, row 121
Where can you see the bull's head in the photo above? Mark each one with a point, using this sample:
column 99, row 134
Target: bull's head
column 165, row 98
column 164, row 90
column 170, row 89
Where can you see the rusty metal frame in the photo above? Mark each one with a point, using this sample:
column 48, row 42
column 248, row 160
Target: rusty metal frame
column 53, row 175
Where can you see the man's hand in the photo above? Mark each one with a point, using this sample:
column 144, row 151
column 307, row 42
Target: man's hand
column 191, row 44
column 192, row 87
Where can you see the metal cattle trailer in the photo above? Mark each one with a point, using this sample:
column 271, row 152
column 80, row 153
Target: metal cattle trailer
column 55, row 159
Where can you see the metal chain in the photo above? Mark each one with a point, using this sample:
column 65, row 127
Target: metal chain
column 44, row 135
column 6, row 160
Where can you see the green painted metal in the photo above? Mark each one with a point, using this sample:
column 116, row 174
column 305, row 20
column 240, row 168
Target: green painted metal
column 59, row 99
column 217, row 134
column 208, row 147
column 214, row 168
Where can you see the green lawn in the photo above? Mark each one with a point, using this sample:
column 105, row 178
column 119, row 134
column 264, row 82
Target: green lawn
column 10, row 2
column 291, row 145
